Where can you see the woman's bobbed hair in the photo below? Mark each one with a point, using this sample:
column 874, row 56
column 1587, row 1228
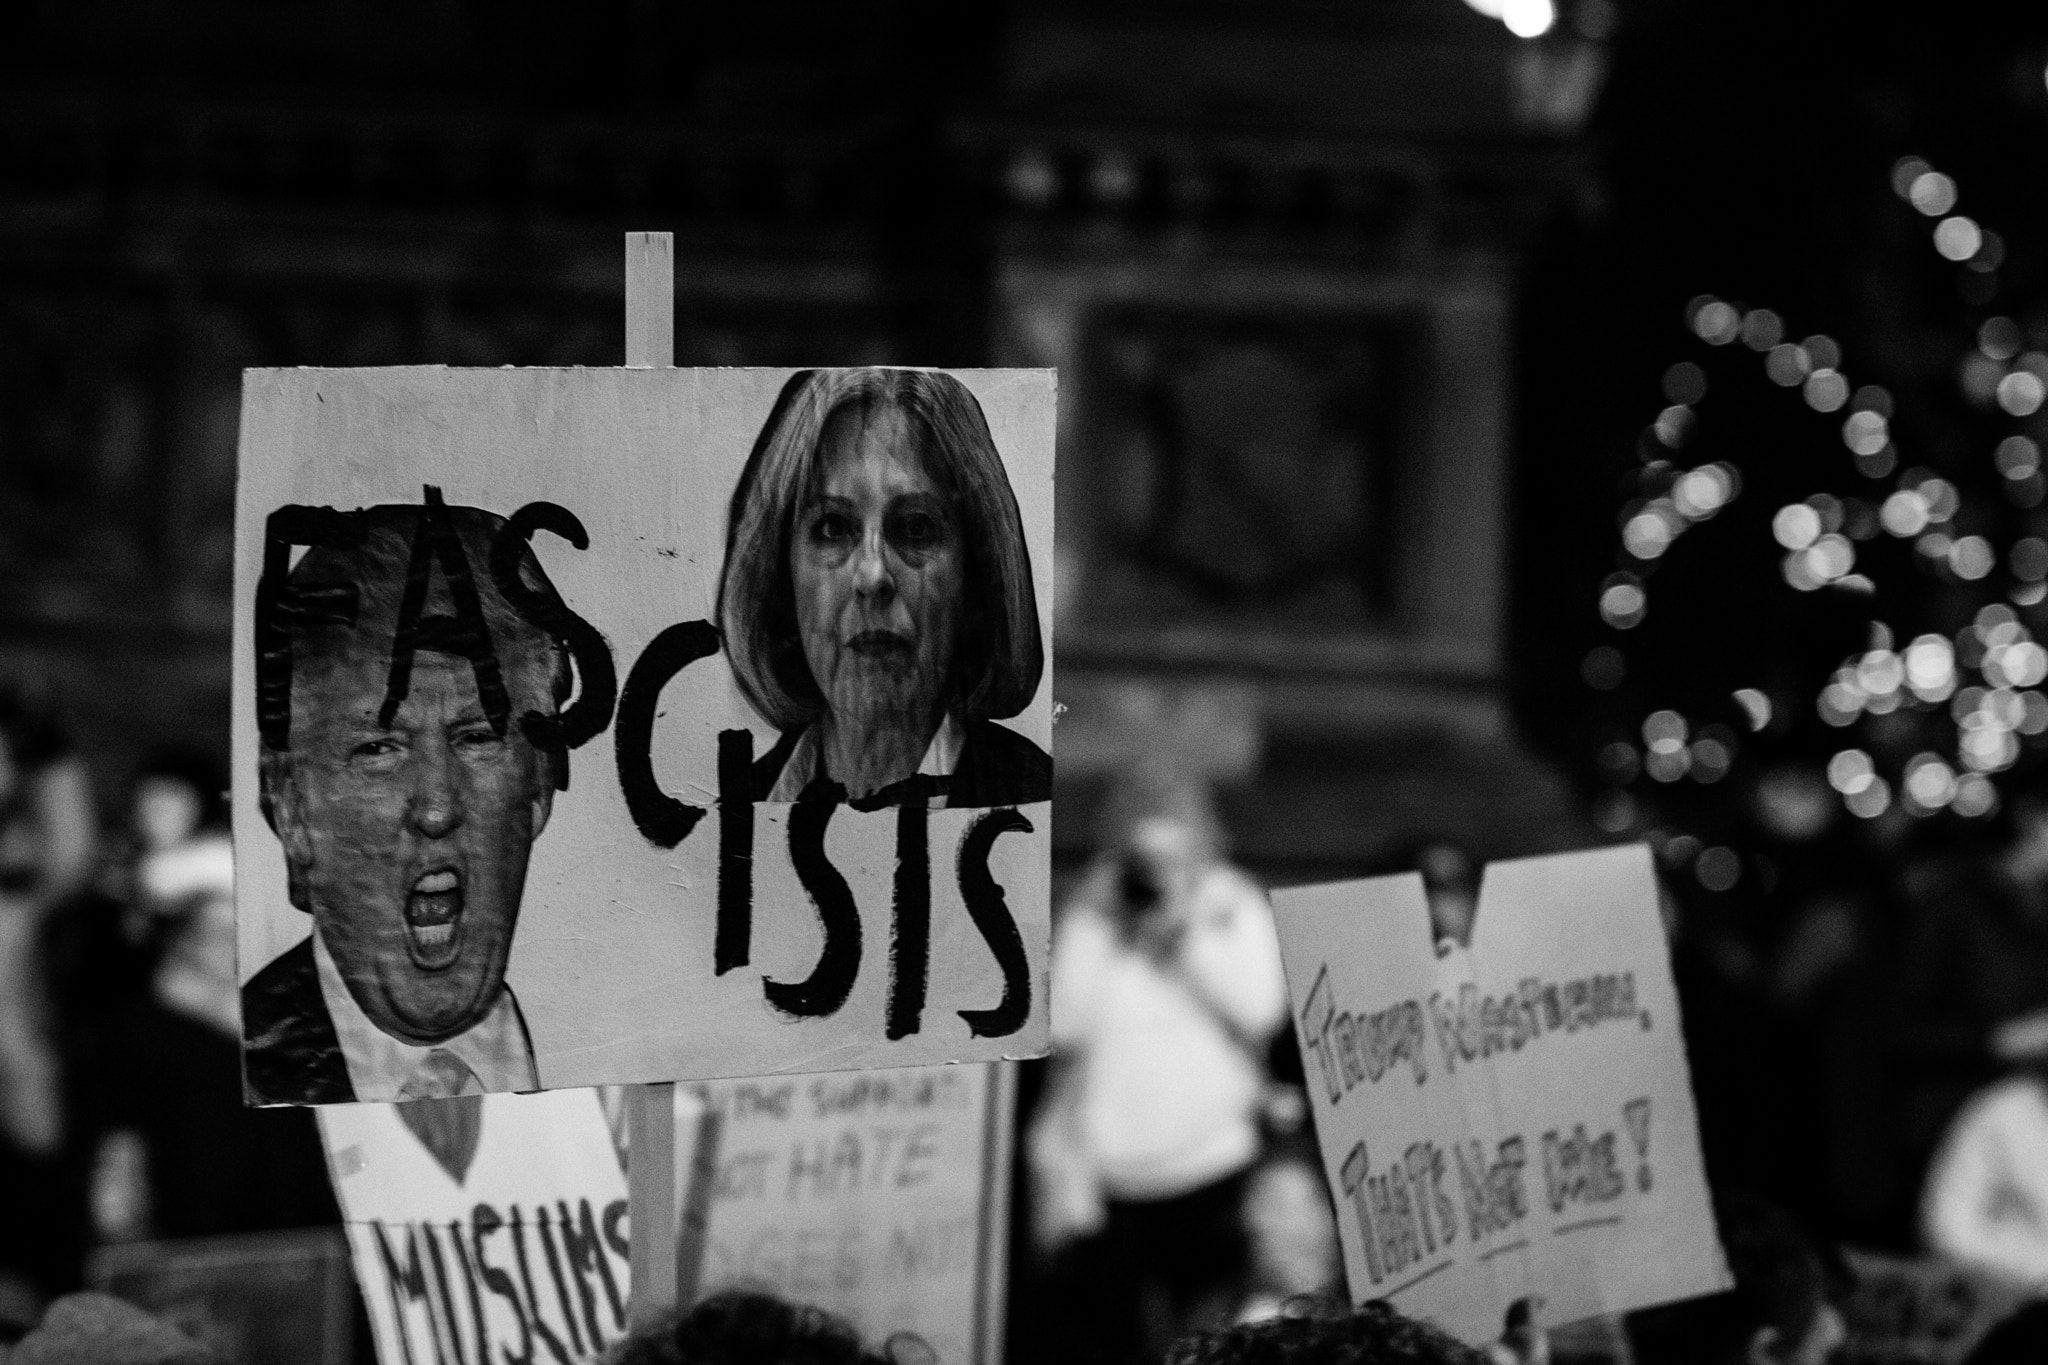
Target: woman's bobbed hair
column 999, row 656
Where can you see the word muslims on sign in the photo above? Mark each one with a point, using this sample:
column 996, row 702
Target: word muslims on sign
column 484, row 1227
column 1511, row 1120
column 604, row 726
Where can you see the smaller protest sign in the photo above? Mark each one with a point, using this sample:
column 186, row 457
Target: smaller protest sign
column 882, row 1196
column 484, row 1227
column 1920, row 1310
column 1508, row 1121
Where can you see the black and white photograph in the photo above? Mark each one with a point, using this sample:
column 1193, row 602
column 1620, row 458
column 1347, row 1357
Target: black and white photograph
column 1085, row 681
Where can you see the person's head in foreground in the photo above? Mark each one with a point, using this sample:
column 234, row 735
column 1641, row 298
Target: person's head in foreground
column 96, row 1329
column 1375, row 1333
column 408, row 800
column 743, row 1328
column 1780, row 1311
column 877, row 586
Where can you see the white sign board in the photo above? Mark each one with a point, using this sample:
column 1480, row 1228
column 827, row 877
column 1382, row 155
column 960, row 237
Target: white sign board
column 882, row 1197
column 484, row 1227
column 1512, row 1120
column 599, row 726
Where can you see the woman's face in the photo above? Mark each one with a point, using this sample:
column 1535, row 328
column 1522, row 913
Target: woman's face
column 876, row 563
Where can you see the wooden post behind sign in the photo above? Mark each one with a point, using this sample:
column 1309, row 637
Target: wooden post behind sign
column 651, row 1109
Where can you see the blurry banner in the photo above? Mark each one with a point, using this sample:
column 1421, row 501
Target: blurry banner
column 1510, row 1121
column 484, row 1227
column 1921, row 1310
column 602, row 726
column 883, row 1197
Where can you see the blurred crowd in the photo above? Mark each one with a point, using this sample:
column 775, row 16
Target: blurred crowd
column 1871, row 1067
column 121, row 1113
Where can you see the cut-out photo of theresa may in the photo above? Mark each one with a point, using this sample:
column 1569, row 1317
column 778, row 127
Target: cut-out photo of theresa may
column 876, row 598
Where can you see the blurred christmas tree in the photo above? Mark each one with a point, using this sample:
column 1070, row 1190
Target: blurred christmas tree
column 1884, row 551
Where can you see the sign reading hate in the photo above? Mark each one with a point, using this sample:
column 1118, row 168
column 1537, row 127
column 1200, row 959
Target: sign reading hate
column 641, row 724
column 882, row 1197
column 1510, row 1121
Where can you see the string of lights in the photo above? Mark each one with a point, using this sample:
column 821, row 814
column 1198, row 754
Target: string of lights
column 1923, row 728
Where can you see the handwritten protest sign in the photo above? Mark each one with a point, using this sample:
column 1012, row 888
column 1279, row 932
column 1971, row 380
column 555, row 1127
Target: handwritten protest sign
column 882, row 1197
column 484, row 1227
column 1510, row 1121
column 600, row 726
column 1921, row 1310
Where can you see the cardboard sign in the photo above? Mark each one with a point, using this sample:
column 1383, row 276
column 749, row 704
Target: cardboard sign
column 1510, row 1121
column 484, row 1227
column 882, row 1197
column 629, row 725
column 1921, row 1310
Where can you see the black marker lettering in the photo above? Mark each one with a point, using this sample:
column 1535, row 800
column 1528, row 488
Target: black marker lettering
column 540, row 1326
column 615, row 1214
column 598, row 680
column 662, row 819
column 991, row 915
column 406, row 1279
column 831, row 981
column 483, row 1221
column 476, row 1299
column 278, row 605
column 434, row 541
column 733, row 943
column 447, row 1313
column 910, row 941
column 547, row 1245
column 585, row 1253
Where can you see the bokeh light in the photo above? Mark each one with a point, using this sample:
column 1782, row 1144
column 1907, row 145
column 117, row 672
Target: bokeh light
column 1957, row 238
column 2017, row 457
column 1623, row 601
column 2020, row 393
column 1686, row 383
column 1762, row 329
column 1933, row 193
column 1865, row 432
column 1755, row 705
column 1718, row 868
column 1796, row 526
column 1715, row 322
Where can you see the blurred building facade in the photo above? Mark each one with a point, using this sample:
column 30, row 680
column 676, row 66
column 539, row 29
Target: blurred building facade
column 1274, row 251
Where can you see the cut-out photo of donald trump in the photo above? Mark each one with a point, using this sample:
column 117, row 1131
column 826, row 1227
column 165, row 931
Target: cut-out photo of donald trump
column 407, row 779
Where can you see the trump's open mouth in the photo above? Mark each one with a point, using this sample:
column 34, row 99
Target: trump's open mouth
column 433, row 919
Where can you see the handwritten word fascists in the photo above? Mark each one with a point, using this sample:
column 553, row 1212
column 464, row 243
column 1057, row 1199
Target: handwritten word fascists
column 1352, row 1049
column 661, row 819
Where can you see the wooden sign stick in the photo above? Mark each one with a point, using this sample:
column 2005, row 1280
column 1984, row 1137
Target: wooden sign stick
column 651, row 1109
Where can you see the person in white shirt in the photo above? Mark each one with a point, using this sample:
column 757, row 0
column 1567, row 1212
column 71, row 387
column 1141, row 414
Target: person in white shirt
column 416, row 767
column 1166, row 994
column 1985, row 1203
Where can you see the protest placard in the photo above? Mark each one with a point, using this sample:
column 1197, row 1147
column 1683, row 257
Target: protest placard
column 1921, row 1310
column 1513, row 1120
column 631, row 725
column 484, row 1227
column 882, row 1197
